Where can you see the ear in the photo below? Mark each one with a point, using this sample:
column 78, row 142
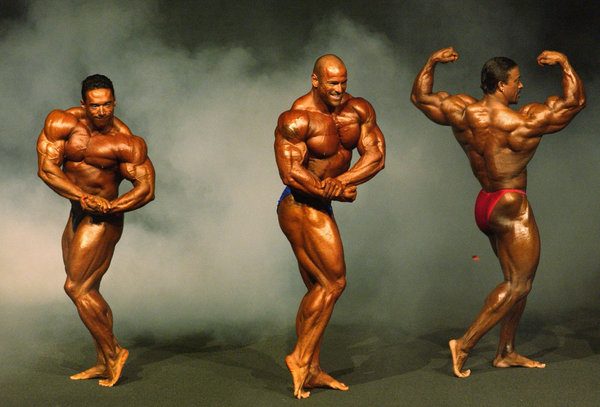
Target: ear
column 500, row 86
column 314, row 80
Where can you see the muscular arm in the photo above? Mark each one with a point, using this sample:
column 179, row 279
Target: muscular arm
column 136, row 167
column 290, row 153
column 556, row 112
column 440, row 107
column 50, row 149
column 371, row 147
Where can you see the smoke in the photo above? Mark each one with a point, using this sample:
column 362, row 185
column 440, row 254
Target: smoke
column 209, row 251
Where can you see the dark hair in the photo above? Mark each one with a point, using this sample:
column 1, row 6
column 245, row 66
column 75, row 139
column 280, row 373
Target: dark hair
column 495, row 70
column 96, row 81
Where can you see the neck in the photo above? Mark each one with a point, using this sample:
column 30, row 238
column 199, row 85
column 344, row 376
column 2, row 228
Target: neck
column 496, row 97
column 105, row 129
column 320, row 104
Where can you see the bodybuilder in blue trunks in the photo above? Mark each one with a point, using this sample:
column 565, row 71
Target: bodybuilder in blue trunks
column 499, row 143
column 313, row 149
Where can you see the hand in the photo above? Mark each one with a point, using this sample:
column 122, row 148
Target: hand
column 349, row 194
column 444, row 55
column 332, row 188
column 94, row 204
column 551, row 58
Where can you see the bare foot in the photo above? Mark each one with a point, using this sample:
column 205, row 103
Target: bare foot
column 299, row 375
column 115, row 368
column 458, row 359
column 91, row 373
column 514, row 359
column 318, row 378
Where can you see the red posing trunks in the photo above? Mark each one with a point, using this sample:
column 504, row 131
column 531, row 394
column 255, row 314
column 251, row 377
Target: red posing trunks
column 485, row 203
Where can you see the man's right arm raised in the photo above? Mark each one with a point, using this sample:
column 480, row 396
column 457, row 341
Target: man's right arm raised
column 290, row 153
column 440, row 107
column 50, row 148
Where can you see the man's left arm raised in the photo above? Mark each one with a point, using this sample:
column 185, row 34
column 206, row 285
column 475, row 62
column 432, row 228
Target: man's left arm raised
column 136, row 167
column 556, row 112
column 371, row 147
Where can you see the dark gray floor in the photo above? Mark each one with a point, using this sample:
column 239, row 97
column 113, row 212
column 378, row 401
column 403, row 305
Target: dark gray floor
column 382, row 366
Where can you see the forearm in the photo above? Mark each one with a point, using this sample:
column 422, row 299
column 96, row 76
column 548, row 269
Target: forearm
column 423, row 84
column 137, row 197
column 573, row 91
column 56, row 179
column 365, row 168
column 303, row 180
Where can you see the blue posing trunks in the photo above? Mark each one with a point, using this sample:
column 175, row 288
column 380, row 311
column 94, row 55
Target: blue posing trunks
column 307, row 200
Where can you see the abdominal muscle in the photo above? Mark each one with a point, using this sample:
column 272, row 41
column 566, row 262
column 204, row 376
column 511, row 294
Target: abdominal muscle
column 93, row 180
column 332, row 166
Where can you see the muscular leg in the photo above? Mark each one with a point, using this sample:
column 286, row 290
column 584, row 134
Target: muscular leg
column 99, row 369
column 316, row 376
column 88, row 250
column 318, row 248
column 516, row 240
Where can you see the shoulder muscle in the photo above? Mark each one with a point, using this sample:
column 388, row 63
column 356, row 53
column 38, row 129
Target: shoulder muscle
column 293, row 125
column 59, row 125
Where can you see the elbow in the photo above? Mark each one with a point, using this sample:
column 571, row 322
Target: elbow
column 287, row 177
column 413, row 99
column 43, row 175
column 381, row 165
column 379, row 162
column 287, row 180
column 150, row 195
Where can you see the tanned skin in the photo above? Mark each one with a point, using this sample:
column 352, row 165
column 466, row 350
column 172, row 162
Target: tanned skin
column 313, row 149
column 83, row 155
column 499, row 143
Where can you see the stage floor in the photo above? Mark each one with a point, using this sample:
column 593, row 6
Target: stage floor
column 382, row 366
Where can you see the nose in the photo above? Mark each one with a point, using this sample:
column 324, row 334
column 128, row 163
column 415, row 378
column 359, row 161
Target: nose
column 338, row 88
column 101, row 110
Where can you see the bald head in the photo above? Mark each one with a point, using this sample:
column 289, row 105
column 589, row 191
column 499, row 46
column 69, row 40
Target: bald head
column 328, row 63
column 329, row 80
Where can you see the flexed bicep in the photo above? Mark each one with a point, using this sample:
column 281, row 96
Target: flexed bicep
column 136, row 167
column 291, row 153
column 50, row 150
column 370, row 146
column 440, row 107
column 557, row 111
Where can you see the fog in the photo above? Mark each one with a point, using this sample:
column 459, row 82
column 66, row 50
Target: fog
column 204, row 86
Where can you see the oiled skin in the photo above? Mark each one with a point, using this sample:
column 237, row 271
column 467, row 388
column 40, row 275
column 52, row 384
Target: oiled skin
column 314, row 141
column 499, row 143
column 83, row 155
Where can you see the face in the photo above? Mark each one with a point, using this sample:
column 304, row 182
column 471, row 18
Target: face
column 512, row 88
column 331, row 84
column 99, row 106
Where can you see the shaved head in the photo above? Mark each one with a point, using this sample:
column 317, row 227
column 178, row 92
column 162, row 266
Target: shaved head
column 328, row 62
column 329, row 79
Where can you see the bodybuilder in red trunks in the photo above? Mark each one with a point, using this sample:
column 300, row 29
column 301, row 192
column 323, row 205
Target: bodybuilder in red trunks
column 499, row 143
column 83, row 155
column 313, row 149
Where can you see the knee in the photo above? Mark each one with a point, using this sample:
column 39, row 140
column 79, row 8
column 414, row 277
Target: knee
column 520, row 289
column 72, row 289
column 336, row 287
